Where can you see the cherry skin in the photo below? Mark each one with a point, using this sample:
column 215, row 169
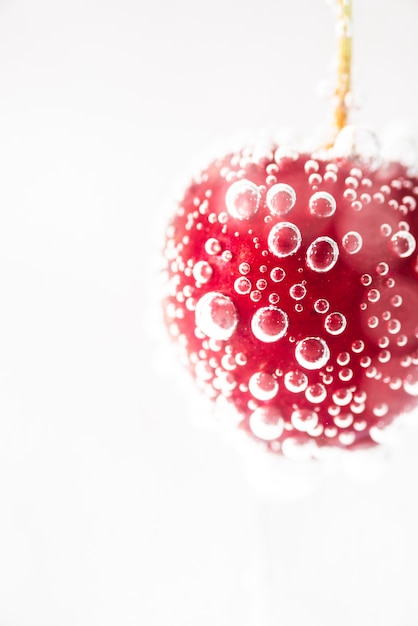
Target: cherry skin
column 292, row 291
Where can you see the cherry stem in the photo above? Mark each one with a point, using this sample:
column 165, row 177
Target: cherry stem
column 344, row 32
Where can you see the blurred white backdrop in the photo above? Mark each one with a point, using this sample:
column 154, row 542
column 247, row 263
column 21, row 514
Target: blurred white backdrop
column 114, row 508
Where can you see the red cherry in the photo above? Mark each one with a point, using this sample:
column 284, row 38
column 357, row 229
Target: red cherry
column 293, row 292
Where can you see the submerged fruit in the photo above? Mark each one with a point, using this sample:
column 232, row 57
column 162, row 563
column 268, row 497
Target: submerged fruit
column 292, row 290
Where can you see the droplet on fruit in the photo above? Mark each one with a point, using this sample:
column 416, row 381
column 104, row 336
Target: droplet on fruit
column 242, row 199
column 322, row 254
column 281, row 199
column 335, row 323
column 266, row 423
column 216, row 315
column 352, row 242
column 295, row 381
column 263, row 386
column 403, row 244
column 312, row 353
column 269, row 324
column 202, row 272
column 322, row 204
column 284, row 239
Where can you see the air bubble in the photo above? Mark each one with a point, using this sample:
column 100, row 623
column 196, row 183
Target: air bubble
column 358, row 144
column 316, row 393
column 304, row 420
column 366, row 280
column 322, row 204
column 386, row 230
column 352, row 242
column 263, row 386
column 403, row 244
column 295, row 381
column 274, row 298
column 382, row 269
column 312, row 353
column 284, row 239
column 202, row 272
column 342, row 397
column 243, row 199
column 266, row 423
column 269, row 324
column 321, row 306
column 335, row 323
column 212, row 246
column 297, row 292
column 244, row 268
column 277, row 274
column 410, row 384
column 393, row 326
column 281, row 199
column 216, row 315
column 242, row 285
column 322, row 254
column 373, row 295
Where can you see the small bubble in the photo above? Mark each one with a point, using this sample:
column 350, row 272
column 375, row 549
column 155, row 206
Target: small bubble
column 297, row 292
column 373, row 295
column 244, row 268
column 321, row 306
column 304, row 420
column 274, row 298
column 269, row 324
column 410, row 384
column 384, row 356
column 316, row 393
column 212, row 246
column 242, row 285
column 335, row 323
column 242, row 199
column 381, row 409
column 311, row 166
column 386, row 230
column 266, row 423
column 409, row 202
column 393, row 326
column 322, row 204
column 366, row 280
column 281, row 199
column 227, row 255
column 344, row 420
column 322, row 254
column 255, row 295
column 342, row 397
column 312, row 353
column 352, row 242
column 295, row 381
column 284, row 239
column 343, row 358
column 240, row 358
column 261, row 284
column 346, row 374
column 373, row 322
column 216, row 315
column 403, row 244
column 396, row 301
column 382, row 269
column 202, row 272
column 277, row 274
column 263, row 386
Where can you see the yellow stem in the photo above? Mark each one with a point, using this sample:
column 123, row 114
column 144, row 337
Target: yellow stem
column 344, row 64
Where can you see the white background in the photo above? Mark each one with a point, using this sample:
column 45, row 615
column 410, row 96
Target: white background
column 115, row 509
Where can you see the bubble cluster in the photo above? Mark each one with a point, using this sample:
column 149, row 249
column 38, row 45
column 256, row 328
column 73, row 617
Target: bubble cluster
column 216, row 315
column 284, row 239
column 322, row 254
column 281, row 199
column 312, row 353
column 242, row 199
column 322, row 204
column 269, row 324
